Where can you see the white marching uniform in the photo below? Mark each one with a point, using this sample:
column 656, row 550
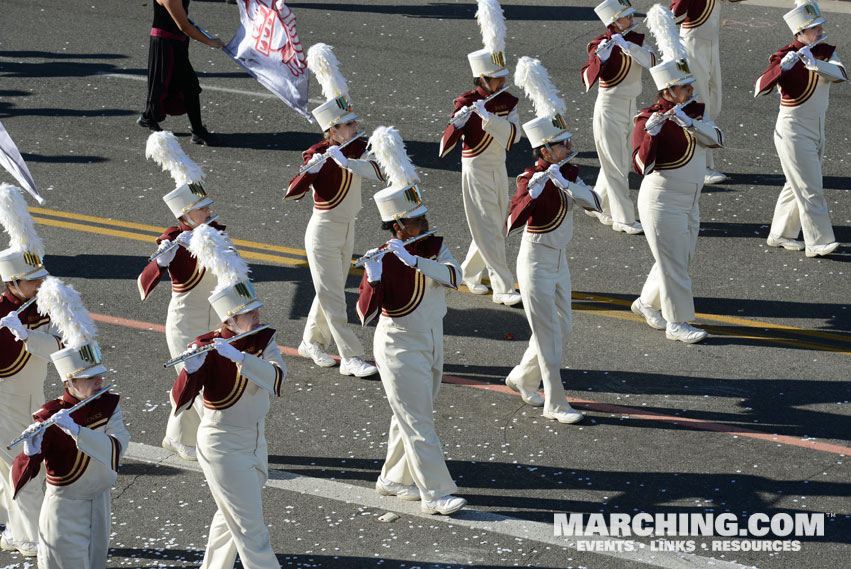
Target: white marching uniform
column 408, row 348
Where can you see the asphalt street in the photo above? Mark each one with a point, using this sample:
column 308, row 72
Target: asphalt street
column 753, row 420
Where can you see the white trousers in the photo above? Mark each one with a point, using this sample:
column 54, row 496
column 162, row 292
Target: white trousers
column 801, row 204
column 544, row 279
column 73, row 534
column 329, row 246
column 184, row 427
column 485, row 193
column 671, row 218
column 411, row 367
column 235, row 464
column 613, row 139
column 21, row 513
column 704, row 61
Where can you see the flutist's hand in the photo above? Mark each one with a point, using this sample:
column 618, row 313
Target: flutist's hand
column 460, row 118
column 316, row 163
column 604, row 50
column 681, row 118
column 536, row 184
column 228, row 351
column 13, row 323
column 479, row 109
column 654, row 130
column 32, row 445
column 554, row 172
column 374, row 267
column 399, row 250
column 337, row 156
column 63, row 420
column 165, row 259
column 807, row 57
column 192, row 365
column 789, row 60
column 618, row 40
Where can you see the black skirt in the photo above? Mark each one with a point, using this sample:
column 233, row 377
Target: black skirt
column 171, row 79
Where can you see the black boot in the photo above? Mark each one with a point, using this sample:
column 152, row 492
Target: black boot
column 148, row 123
column 204, row 137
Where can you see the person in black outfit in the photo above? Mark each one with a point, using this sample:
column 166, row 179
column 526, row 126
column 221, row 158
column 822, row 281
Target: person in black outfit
column 173, row 87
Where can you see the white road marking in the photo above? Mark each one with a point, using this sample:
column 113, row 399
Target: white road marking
column 469, row 518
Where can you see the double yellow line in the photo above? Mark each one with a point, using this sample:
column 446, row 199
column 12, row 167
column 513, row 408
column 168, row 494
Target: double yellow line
column 598, row 304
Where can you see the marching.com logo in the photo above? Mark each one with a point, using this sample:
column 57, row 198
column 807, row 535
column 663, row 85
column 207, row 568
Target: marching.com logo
column 775, row 532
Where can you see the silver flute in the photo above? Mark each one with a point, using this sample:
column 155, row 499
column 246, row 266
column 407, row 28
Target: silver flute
column 43, row 425
column 24, row 306
column 175, row 244
column 383, row 250
column 650, row 125
column 469, row 109
column 209, row 347
column 325, row 156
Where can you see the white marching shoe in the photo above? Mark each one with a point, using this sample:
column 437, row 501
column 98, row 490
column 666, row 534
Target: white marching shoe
column 819, row 250
column 25, row 548
column 185, row 452
column 652, row 316
column 357, row 367
column 567, row 416
column 713, row 177
column 785, row 242
column 685, row 332
column 444, row 506
column 476, row 288
column 507, row 298
column 388, row 488
column 532, row 398
column 629, row 229
column 313, row 351
column 601, row 217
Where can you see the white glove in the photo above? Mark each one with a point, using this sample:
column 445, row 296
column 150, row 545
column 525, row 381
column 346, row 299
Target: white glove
column 806, row 56
column 32, row 445
column 618, row 40
column 13, row 323
column 64, row 421
column 554, row 173
column 460, row 118
column 165, row 259
column 184, row 238
column 604, row 50
column 479, row 109
column 315, row 164
column 536, row 184
column 681, row 118
column 789, row 60
column 193, row 364
column 374, row 267
column 337, row 156
column 400, row 251
column 655, row 130
column 228, row 351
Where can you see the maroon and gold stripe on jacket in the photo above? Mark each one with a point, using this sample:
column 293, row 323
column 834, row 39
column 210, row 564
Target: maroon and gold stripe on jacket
column 544, row 213
column 475, row 139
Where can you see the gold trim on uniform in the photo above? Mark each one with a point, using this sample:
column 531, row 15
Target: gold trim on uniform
column 682, row 160
column 238, row 389
column 18, row 364
column 700, row 20
column 562, row 211
column 342, row 191
column 416, row 298
column 479, row 148
column 116, row 451
column 80, row 465
column 192, row 282
column 812, row 83
column 626, row 64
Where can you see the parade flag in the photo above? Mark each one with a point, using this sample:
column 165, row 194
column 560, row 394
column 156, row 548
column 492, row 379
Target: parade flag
column 14, row 163
column 267, row 46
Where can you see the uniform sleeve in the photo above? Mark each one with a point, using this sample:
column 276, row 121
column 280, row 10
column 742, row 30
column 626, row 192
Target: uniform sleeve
column 300, row 185
column 643, row 148
column 591, row 69
column 680, row 10
column 187, row 387
column 149, row 279
column 451, row 135
column 585, row 196
column 520, row 207
column 268, row 371
column 369, row 300
column 365, row 168
column 106, row 447
column 765, row 83
column 642, row 55
column 444, row 270
column 832, row 70
column 706, row 133
column 502, row 129
column 42, row 344
column 24, row 469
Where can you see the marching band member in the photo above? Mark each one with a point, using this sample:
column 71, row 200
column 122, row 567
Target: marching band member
column 409, row 288
column 81, row 451
column 330, row 236
column 616, row 58
column 26, row 343
column 189, row 313
column 803, row 72
column 488, row 131
column 669, row 142
column 700, row 27
column 234, row 381
column 542, row 208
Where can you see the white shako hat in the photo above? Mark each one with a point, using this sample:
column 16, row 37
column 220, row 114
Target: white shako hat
column 190, row 194
column 23, row 259
column 806, row 14
column 234, row 294
column 336, row 109
column 401, row 200
column 490, row 61
column 549, row 125
column 611, row 10
column 81, row 355
column 674, row 69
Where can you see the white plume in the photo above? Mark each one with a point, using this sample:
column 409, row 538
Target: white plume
column 18, row 222
column 492, row 24
column 389, row 150
column 65, row 308
column 660, row 21
column 534, row 79
column 215, row 252
column 324, row 65
column 165, row 150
